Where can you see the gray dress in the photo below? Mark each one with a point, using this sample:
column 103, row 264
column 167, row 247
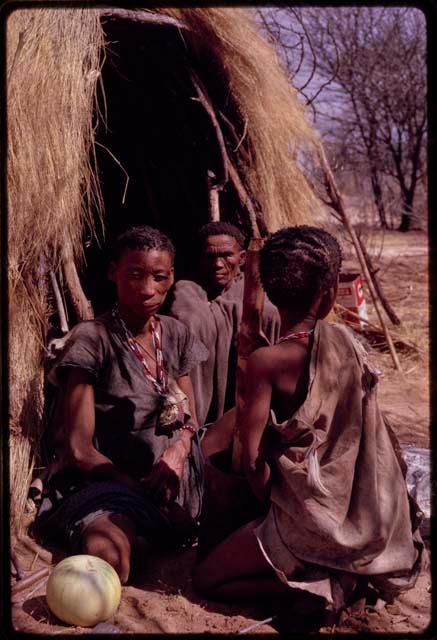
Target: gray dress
column 126, row 410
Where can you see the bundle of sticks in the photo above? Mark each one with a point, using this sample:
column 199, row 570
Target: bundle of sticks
column 27, row 581
column 374, row 334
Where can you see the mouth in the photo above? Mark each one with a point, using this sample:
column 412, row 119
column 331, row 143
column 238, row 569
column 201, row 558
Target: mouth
column 149, row 306
column 220, row 276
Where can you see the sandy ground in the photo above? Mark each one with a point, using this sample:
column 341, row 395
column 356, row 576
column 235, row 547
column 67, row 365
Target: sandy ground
column 161, row 599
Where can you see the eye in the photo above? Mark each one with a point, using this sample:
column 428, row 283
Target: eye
column 160, row 278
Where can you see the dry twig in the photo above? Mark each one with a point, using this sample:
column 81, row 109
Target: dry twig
column 337, row 204
column 343, row 311
column 59, row 303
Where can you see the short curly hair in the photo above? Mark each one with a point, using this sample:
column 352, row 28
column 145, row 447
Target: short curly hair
column 297, row 264
column 141, row 237
column 221, row 229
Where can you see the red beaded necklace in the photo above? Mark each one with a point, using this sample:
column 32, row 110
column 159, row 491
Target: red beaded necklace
column 295, row 336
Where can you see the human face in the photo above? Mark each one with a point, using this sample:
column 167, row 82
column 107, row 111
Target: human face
column 221, row 259
column 142, row 278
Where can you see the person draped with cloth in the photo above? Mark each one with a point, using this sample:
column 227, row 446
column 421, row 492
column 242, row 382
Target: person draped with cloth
column 334, row 512
column 127, row 460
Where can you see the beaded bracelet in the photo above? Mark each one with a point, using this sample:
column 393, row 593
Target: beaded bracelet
column 188, row 427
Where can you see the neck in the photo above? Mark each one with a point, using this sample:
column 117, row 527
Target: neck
column 291, row 325
column 213, row 290
column 137, row 326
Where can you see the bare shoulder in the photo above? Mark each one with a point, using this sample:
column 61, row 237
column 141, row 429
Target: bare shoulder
column 262, row 361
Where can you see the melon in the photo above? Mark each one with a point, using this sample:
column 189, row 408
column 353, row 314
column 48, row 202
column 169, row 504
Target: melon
column 83, row 590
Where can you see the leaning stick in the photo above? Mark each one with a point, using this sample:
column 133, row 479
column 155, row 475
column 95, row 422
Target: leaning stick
column 250, row 334
column 339, row 308
column 20, row 597
column 204, row 100
column 145, row 17
column 336, row 200
column 17, row 566
column 229, row 172
column 385, row 303
column 244, row 199
column 215, row 184
column 82, row 306
column 237, row 141
column 213, row 191
column 33, row 546
column 30, row 580
column 250, row 337
column 59, row 303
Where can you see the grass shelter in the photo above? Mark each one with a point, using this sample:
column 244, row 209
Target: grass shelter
column 168, row 117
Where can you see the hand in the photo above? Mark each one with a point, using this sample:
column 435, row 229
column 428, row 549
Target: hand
column 163, row 482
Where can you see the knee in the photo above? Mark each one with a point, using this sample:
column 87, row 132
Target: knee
column 115, row 551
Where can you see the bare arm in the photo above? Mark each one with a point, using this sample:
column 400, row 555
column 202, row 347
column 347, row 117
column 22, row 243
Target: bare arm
column 163, row 481
column 77, row 416
column 255, row 416
column 187, row 387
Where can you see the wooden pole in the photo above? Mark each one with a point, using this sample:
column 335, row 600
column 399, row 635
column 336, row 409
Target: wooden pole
column 202, row 97
column 59, row 303
column 82, row 305
column 244, row 198
column 250, row 337
column 341, row 310
column 213, row 191
column 145, row 17
column 385, row 303
column 337, row 203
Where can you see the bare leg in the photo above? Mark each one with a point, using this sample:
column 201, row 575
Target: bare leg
column 218, row 436
column 111, row 537
column 237, row 567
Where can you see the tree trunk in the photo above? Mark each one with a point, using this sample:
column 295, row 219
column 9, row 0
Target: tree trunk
column 377, row 196
column 405, row 222
column 407, row 210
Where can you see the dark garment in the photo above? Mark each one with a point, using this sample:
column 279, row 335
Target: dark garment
column 216, row 324
column 126, row 409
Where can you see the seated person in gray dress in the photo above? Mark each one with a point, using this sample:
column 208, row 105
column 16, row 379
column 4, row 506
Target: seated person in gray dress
column 126, row 458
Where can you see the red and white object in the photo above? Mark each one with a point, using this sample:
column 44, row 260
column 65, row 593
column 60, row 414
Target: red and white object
column 351, row 296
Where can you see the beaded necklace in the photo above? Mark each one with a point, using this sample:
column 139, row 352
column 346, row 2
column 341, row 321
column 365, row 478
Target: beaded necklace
column 160, row 382
column 295, row 336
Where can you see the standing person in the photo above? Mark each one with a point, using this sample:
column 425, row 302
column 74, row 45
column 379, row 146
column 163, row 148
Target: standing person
column 125, row 421
column 212, row 308
column 317, row 452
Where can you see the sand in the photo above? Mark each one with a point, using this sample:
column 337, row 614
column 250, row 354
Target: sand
column 161, row 599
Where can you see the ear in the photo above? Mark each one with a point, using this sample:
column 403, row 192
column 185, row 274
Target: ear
column 242, row 257
column 327, row 301
column 111, row 271
column 171, row 280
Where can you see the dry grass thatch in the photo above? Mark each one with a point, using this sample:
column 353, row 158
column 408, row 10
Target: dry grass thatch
column 277, row 126
column 54, row 58
column 53, row 62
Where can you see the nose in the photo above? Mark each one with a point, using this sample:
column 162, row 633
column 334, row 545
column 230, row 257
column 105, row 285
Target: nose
column 218, row 262
column 148, row 288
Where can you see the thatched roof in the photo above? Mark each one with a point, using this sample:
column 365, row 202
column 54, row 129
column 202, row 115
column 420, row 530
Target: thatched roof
column 62, row 201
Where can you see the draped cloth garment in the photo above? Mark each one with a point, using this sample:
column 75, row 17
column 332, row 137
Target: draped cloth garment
column 216, row 324
column 358, row 520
